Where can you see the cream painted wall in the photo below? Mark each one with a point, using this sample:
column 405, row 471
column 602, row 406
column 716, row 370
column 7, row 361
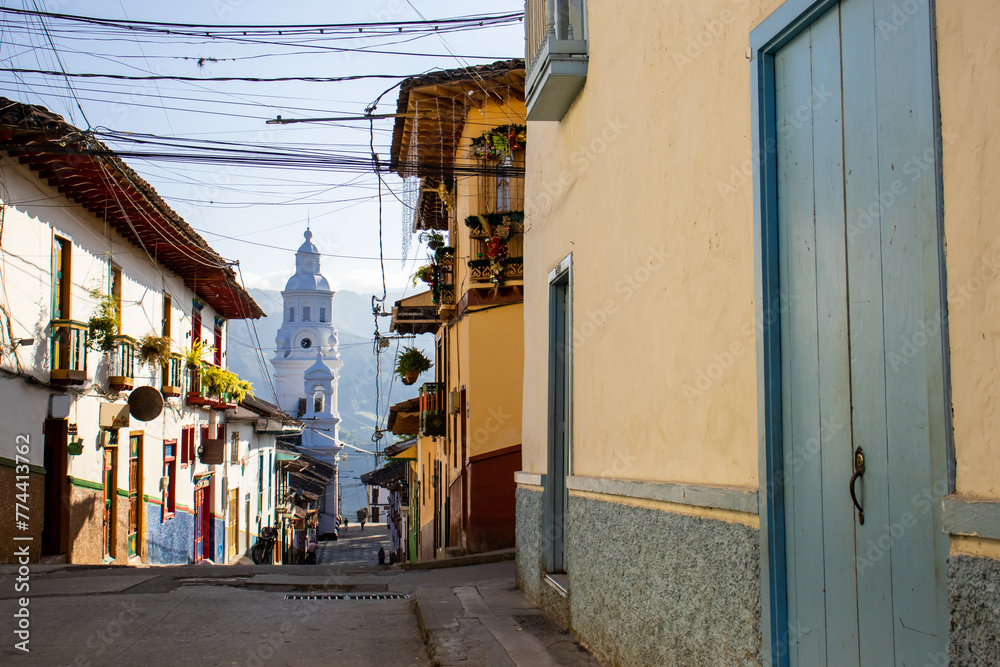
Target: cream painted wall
column 646, row 181
column 968, row 62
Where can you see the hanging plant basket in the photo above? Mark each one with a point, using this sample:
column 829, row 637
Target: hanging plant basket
column 410, row 364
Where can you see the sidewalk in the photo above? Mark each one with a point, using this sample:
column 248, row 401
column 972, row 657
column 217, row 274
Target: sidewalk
column 467, row 619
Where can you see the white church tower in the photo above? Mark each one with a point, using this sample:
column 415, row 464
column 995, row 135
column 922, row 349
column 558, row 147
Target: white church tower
column 307, row 366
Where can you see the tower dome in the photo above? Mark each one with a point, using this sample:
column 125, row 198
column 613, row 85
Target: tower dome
column 307, row 276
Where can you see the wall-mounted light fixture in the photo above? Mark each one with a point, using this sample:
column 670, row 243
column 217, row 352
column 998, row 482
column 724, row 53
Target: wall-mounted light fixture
column 23, row 342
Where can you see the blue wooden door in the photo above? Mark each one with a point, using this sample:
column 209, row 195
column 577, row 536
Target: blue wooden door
column 862, row 361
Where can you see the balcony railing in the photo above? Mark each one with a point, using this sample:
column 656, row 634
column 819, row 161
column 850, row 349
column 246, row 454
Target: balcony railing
column 556, row 53
column 121, row 376
column 501, row 269
column 444, row 282
column 69, row 352
column 172, row 376
column 198, row 395
column 432, row 409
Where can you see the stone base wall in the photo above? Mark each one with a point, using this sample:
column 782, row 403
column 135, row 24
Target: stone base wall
column 531, row 557
column 171, row 540
column 34, row 517
column 648, row 587
column 86, row 525
column 974, row 600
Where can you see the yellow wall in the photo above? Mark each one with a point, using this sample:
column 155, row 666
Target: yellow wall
column 969, row 59
column 496, row 364
column 647, row 182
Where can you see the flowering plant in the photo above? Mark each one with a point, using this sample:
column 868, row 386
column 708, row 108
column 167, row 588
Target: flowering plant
column 500, row 142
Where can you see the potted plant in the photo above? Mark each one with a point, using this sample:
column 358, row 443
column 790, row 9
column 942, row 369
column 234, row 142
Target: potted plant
column 425, row 273
column 154, row 351
column 220, row 382
column 434, row 239
column 104, row 324
column 194, row 356
column 410, row 364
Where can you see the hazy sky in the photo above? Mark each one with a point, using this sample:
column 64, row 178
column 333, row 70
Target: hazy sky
column 261, row 205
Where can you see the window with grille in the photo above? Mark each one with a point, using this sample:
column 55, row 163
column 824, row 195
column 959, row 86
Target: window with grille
column 306, row 314
column 322, row 314
column 234, row 448
column 187, row 453
column 291, row 313
column 170, row 473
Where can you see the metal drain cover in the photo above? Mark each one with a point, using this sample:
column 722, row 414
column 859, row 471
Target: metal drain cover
column 349, row 596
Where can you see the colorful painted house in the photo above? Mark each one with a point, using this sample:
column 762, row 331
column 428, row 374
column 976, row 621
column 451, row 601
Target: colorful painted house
column 459, row 140
column 759, row 395
column 116, row 436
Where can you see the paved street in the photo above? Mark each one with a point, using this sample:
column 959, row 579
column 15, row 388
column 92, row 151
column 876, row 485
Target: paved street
column 355, row 546
column 243, row 614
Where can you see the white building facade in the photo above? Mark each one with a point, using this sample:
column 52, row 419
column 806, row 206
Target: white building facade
column 98, row 481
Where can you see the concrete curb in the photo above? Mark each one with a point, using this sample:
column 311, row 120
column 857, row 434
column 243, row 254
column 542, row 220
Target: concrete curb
column 462, row 561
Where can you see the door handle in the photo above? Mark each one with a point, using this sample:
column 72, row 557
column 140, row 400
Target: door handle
column 859, row 472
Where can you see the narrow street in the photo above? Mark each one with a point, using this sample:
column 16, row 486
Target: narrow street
column 284, row 615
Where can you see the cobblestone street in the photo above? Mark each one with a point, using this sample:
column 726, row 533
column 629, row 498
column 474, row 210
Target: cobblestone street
column 355, row 546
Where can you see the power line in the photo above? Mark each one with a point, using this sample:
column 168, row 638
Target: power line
column 165, row 77
column 162, row 26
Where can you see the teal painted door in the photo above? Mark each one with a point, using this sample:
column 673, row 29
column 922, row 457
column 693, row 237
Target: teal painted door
column 862, row 362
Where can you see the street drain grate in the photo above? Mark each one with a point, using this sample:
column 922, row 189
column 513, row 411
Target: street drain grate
column 349, row 596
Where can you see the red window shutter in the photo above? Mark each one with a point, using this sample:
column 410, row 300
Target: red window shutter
column 220, row 431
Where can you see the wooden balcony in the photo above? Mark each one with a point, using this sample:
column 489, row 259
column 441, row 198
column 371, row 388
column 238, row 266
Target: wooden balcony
column 556, row 56
column 432, row 409
column 68, row 352
column 170, row 386
column 121, row 376
column 198, row 395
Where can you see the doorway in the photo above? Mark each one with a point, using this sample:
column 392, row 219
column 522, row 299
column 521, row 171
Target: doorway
column 856, row 426
column 135, row 505
column 110, row 496
column 55, row 527
column 555, row 492
column 202, row 521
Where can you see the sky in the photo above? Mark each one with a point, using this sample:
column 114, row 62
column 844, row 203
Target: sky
column 255, row 215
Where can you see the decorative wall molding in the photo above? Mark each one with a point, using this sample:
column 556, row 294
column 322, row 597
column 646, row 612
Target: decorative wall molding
column 718, row 497
column 965, row 515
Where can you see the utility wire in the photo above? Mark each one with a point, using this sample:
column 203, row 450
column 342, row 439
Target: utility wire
column 164, row 77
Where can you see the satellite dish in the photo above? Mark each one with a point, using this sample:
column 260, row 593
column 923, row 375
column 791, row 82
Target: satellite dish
column 145, row 404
